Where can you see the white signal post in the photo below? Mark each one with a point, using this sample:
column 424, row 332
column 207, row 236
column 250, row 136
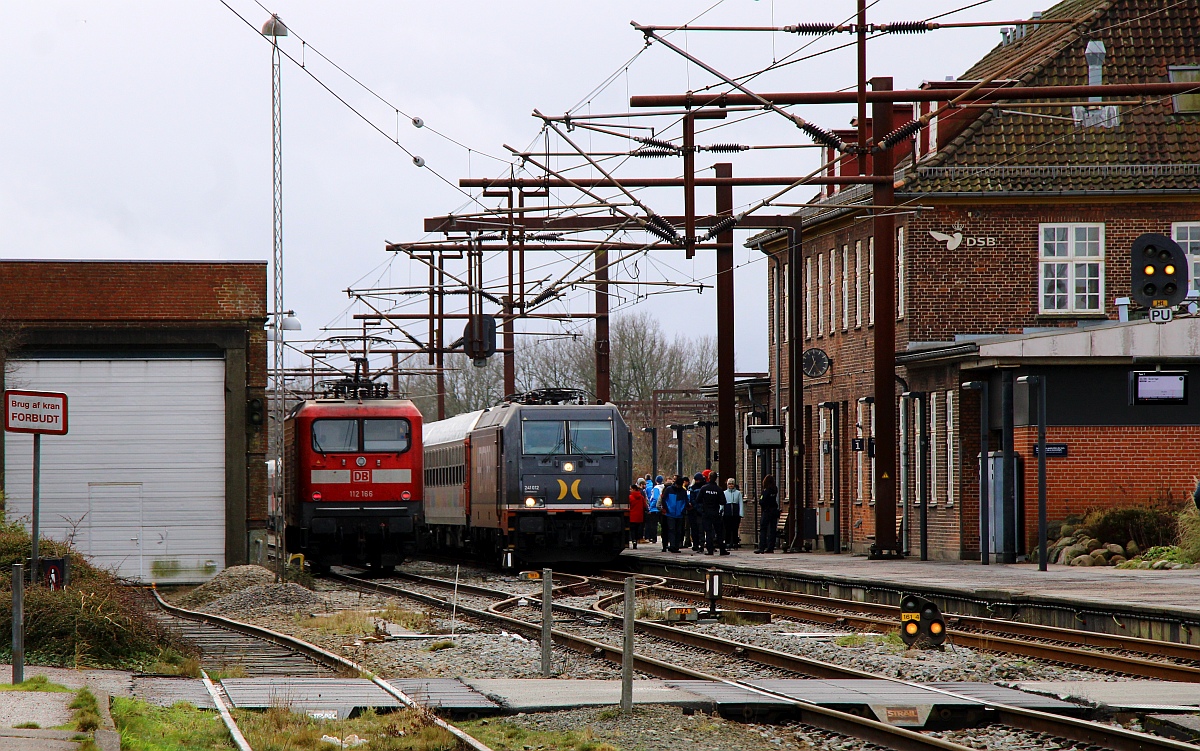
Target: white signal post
column 40, row 413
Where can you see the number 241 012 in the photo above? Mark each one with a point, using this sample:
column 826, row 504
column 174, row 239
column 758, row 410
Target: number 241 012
column 361, row 493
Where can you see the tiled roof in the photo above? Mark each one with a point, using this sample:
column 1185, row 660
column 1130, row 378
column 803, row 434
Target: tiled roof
column 1035, row 150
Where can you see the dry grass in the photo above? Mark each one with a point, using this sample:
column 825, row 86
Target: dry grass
column 363, row 622
column 279, row 729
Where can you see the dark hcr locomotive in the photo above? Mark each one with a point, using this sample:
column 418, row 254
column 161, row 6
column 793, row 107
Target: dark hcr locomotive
column 536, row 479
column 353, row 465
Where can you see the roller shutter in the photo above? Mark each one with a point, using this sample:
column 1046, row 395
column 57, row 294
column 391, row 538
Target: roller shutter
column 139, row 481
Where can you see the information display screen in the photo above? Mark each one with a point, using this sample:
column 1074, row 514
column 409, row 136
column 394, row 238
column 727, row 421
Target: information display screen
column 764, row 436
column 1158, row 387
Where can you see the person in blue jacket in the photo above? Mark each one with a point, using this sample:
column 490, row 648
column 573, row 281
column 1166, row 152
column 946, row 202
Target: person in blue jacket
column 674, row 504
column 653, row 508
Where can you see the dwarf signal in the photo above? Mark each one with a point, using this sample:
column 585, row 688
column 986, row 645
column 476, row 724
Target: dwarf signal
column 1159, row 274
column 921, row 622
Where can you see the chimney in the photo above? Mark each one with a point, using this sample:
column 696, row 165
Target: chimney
column 1094, row 54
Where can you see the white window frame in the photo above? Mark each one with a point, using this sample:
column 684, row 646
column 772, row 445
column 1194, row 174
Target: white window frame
column 935, row 487
column 1184, row 104
column 820, row 294
column 858, row 284
column 808, row 298
column 845, row 287
column 1187, row 234
column 900, row 269
column 833, row 295
column 860, row 493
column 1067, row 267
column 871, row 280
column 951, row 443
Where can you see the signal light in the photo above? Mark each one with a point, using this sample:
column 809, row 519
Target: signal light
column 1158, row 275
column 256, row 412
column 921, row 622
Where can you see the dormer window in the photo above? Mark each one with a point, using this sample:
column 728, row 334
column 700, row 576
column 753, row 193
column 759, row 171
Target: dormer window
column 1186, row 103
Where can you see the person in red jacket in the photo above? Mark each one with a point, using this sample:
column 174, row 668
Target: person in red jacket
column 637, row 513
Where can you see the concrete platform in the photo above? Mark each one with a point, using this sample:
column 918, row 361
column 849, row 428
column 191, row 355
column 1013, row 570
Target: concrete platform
column 548, row 694
column 45, row 708
column 1136, row 696
column 12, row 739
column 1103, row 588
column 1182, row 727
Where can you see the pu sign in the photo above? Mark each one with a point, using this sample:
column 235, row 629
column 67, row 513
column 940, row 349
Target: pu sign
column 35, row 412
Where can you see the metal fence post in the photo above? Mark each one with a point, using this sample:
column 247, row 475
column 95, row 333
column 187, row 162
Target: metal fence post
column 547, row 620
column 18, row 623
column 627, row 651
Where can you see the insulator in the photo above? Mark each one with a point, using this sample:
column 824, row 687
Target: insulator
column 822, row 136
column 724, row 225
column 658, row 144
column 812, row 28
column 902, row 133
column 654, row 152
column 545, row 295
column 725, row 148
column 662, row 229
column 905, row 27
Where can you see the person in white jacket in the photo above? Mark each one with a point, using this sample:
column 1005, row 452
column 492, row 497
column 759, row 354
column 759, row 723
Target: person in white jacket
column 734, row 511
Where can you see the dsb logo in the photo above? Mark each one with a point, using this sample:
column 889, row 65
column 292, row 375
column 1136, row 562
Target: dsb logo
column 360, row 475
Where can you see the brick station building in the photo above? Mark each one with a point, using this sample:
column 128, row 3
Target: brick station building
column 1011, row 250
column 161, row 475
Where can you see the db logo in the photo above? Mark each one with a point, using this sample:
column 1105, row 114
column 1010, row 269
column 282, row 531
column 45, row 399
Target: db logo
column 360, row 475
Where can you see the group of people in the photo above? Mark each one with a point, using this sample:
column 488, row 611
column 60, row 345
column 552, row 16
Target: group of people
column 698, row 513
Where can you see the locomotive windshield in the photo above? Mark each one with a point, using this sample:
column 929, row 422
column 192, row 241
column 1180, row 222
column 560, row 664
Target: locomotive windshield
column 591, row 436
column 345, row 436
column 385, row 435
column 548, row 437
column 542, row 437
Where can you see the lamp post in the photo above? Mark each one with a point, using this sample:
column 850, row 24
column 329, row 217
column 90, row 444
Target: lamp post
column 837, row 474
column 984, row 511
column 1040, row 382
column 653, row 449
column 708, row 426
column 677, row 433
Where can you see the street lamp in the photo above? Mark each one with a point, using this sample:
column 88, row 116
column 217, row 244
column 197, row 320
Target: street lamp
column 653, row 448
column 677, row 433
column 1040, row 382
column 984, row 511
column 708, row 426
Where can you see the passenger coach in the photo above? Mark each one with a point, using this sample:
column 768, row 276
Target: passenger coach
column 540, row 478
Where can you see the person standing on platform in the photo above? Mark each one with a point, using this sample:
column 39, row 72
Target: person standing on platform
column 768, row 506
column 695, row 525
column 654, row 509
column 637, row 514
column 641, row 486
column 674, row 503
column 712, row 503
column 734, row 510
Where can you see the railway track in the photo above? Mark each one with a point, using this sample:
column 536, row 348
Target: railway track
column 226, row 636
column 1127, row 655
column 1072, row 729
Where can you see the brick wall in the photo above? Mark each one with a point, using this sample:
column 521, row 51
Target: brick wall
column 1107, row 467
column 38, row 292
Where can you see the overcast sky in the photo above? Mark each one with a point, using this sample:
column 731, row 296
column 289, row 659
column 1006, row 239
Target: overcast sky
column 132, row 129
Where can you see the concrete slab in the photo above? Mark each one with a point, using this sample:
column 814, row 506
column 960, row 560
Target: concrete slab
column 343, row 695
column 165, row 692
column 37, row 740
column 448, row 694
column 112, row 682
column 548, row 694
column 46, row 709
column 1183, row 727
column 1161, row 696
column 1104, row 588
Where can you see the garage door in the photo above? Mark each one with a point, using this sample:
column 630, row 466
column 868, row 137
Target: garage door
column 138, row 484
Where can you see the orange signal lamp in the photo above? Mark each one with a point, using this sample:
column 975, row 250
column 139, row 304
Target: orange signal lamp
column 1169, row 269
column 1149, row 270
column 911, row 627
column 935, row 628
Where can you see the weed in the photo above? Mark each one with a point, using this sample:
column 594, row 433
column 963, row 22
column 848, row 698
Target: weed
column 363, row 622
column 145, row 727
column 36, row 683
column 174, row 662
column 505, row 736
column 851, row 640
column 28, row 726
column 227, row 671
column 277, row 729
column 441, row 644
column 1189, row 534
column 608, row 714
column 890, row 641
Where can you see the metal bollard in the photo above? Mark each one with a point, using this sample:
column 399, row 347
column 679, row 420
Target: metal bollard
column 18, row 624
column 547, row 621
column 627, row 650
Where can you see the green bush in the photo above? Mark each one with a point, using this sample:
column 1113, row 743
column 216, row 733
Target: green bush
column 1189, row 533
column 1149, row 526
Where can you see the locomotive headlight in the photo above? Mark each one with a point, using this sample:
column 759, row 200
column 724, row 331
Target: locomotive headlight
column 568, row 467
column 530, row 502
column 607, row 501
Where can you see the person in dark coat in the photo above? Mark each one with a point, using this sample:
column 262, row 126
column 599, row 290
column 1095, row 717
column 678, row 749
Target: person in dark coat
column 637, row 514
column 712, row 503
column 695, row 524
column 674, row 503
column 768, row 507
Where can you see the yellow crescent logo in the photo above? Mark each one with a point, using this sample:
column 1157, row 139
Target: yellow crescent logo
column 575, row 490
column 562, row 489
